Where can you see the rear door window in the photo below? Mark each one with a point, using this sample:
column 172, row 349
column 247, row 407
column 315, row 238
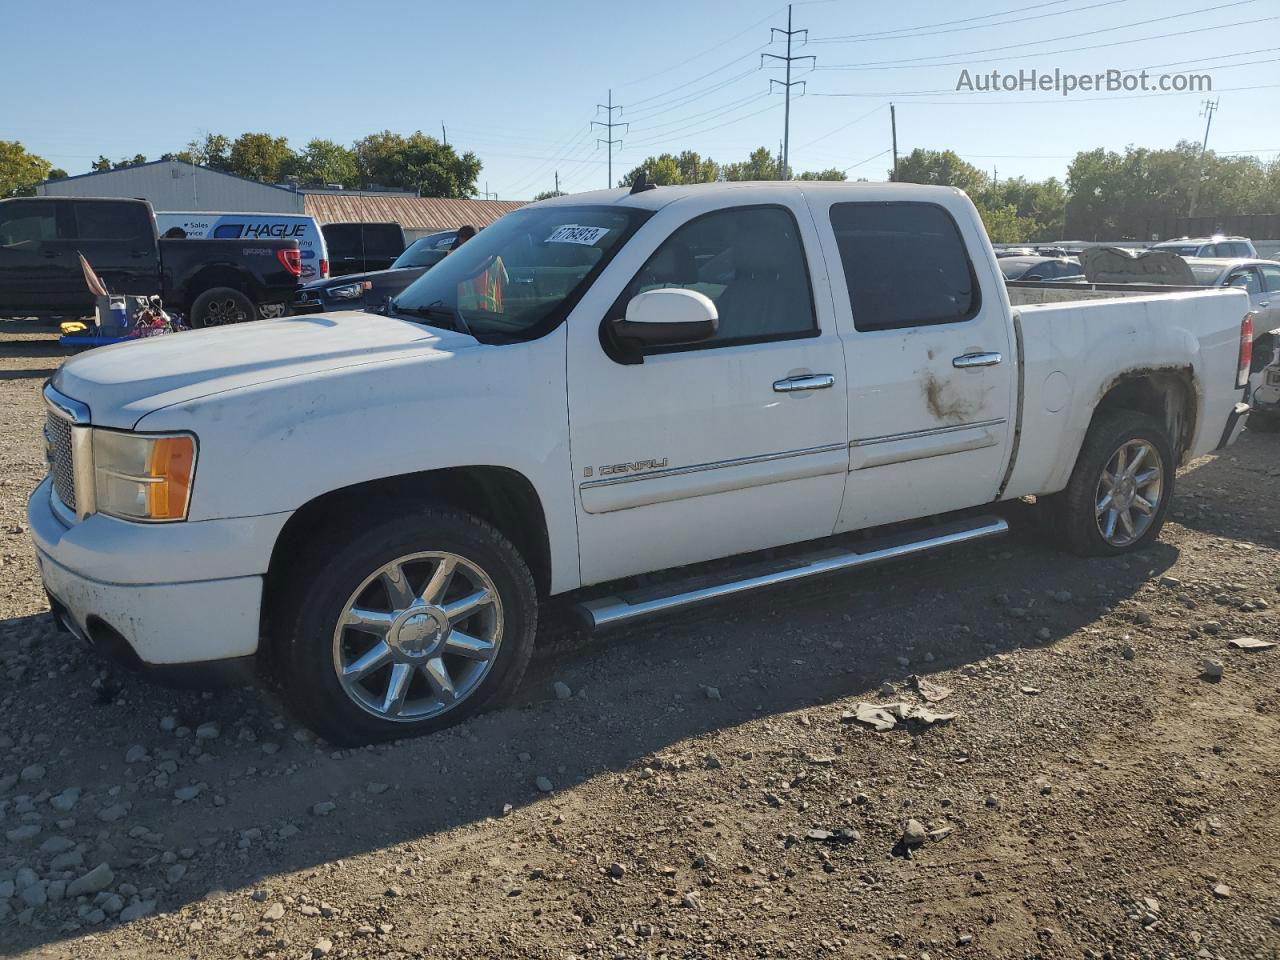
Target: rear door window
column 905, row 264
column 383, row 240
column 112, row 221
column 1270, row 277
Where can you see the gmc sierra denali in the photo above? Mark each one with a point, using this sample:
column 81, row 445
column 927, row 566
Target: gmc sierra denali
column 598, row 387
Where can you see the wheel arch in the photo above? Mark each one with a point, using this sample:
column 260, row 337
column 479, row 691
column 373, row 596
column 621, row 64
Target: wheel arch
column 1167, row 394
column 210, row 277
column 500, row 496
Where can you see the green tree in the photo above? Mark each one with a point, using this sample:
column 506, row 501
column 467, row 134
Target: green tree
column 417, row 162
column 761, row 165
column 662, row 170
column 941, row 168
column 829, row 174
column 133, row 161
column 1004, row 225
column 548, row 194
column 259, row 156
column 102, row 163
column 57, row 173
column 20, row 170
column 324, row 161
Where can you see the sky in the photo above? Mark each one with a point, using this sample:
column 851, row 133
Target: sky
column 519, row 83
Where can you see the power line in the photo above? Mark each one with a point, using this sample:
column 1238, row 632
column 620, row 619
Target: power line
column 944, row 23
column 715, row 46
column 979, row 26
column 871, row 64
column 844, row 126
column 701, row 129
column 684, row 86
column 609, row 140
column 866, row 161
column 785, row 172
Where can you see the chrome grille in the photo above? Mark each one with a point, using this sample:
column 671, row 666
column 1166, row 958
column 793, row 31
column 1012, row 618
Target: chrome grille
column 57, row 435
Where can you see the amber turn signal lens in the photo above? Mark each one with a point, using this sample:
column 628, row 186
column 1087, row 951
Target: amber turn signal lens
column 170, row 463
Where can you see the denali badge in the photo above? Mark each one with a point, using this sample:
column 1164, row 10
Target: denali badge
column 633, row 467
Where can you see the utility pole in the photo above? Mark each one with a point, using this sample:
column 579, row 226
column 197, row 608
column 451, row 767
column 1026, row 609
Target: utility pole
column 1208, row 109
column 557, row 183
column 893, row 125
column 609, row 140
column 444, row 135
column 786, row 86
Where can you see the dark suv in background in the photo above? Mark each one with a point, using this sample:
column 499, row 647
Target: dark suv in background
column 369, row 291
column 361, row 247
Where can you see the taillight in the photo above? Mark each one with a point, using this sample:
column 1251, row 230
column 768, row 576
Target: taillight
column 291, row 260
column 324, row 269
column 1246, row 351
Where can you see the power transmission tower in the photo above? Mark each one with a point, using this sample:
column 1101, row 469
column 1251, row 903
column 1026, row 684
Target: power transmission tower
column 609, row 125
column 1208, row 109
column 786, row 86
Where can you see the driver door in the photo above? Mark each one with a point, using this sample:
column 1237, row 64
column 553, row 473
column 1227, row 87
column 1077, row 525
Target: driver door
column 720, row 447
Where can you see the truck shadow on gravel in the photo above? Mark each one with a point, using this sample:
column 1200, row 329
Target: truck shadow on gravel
column 269, row 800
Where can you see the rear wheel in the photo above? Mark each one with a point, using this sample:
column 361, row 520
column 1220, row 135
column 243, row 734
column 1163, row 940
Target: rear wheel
column 1119, row 492
column 220, row 306
column 409, row 627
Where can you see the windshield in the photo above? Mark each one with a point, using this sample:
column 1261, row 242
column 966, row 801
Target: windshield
column 1206, row 273
column 518, row 278
column 424, row 252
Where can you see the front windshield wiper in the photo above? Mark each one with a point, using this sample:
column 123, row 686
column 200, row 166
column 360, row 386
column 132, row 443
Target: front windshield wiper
column 436, row 311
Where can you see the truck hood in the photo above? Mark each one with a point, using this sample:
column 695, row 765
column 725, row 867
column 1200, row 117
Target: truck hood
column 123, row 383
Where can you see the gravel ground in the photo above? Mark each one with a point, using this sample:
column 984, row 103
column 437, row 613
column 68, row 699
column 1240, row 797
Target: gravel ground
column 703, row 787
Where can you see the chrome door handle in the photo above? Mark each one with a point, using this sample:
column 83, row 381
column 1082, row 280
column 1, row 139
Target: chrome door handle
column 967, row 360
column 817, row 381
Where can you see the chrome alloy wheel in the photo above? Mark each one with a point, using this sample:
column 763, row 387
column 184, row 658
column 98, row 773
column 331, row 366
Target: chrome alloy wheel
column 418, row 636
column 1128, row 495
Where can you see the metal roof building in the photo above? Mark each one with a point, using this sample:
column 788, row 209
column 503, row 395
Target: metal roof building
column 418, row 215
column 173, row 185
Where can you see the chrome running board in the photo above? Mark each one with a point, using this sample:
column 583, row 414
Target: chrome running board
column 620, row 608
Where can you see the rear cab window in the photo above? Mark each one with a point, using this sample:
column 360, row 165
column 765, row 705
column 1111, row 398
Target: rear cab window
column 112, row 221
column 905, row 264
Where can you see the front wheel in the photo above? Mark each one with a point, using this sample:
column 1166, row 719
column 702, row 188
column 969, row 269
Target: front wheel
column 1119, row 492
column 411, row 626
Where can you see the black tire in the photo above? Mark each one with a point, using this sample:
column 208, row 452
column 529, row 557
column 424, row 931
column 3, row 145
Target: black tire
column 219, row 306
column 330, row 573
column 1263, row 421
column 1071, row 515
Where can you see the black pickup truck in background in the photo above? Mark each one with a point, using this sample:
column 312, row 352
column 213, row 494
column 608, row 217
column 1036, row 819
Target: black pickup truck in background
column 210, row 282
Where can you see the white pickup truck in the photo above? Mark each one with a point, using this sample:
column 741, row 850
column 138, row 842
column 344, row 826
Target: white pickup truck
column 597, row 387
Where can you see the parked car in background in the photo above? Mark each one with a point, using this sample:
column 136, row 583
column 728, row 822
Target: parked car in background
column 361, row 247
column 599, row 387
column 1266, row 392
column 1259, row 278
column 1040, row 268
column 211, row 282
column 370, row 291
column 200, row 225
column 1217, row 246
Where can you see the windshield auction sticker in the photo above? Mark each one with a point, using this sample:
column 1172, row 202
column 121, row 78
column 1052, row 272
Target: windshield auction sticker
column 572, row 233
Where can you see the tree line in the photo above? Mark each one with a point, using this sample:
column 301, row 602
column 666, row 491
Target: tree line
column 415, row 162
column 1106, row 195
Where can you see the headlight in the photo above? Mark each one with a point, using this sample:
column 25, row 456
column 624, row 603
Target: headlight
column 350, row 291
column 143, row 476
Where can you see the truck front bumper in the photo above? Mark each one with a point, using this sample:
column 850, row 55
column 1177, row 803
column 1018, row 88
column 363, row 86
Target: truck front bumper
column 181, row 601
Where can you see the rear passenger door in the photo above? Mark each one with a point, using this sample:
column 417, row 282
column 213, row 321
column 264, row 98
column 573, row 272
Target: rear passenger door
column 1269, row 302
column 119, row 241
column 932, row 371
